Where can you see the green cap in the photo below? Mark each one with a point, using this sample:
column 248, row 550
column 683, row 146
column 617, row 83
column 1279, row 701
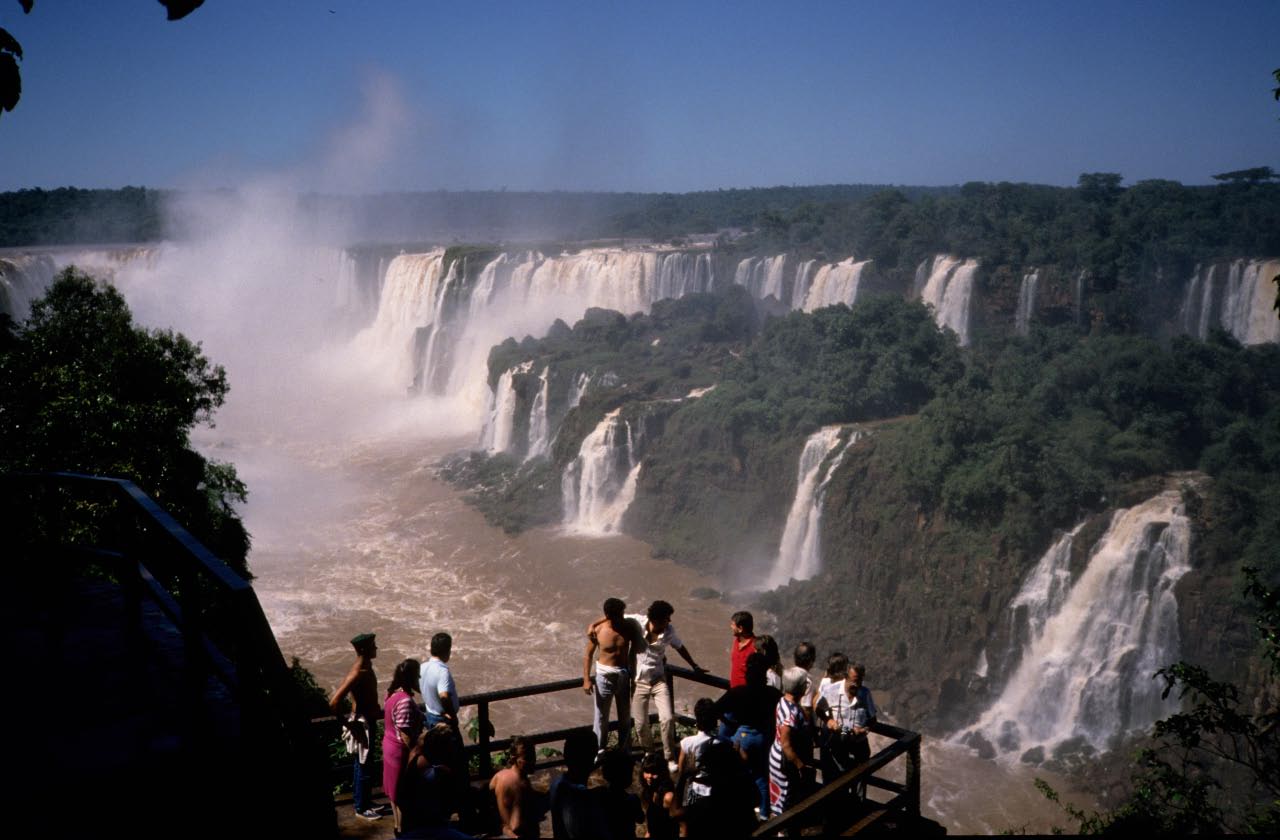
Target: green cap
column 362, row 639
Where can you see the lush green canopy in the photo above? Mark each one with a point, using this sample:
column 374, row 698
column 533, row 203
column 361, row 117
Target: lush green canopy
column 83, row 389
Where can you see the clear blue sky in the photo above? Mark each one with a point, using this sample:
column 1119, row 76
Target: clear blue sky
column 463, row 94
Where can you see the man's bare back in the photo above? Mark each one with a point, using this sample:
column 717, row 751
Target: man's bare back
column 612, row 642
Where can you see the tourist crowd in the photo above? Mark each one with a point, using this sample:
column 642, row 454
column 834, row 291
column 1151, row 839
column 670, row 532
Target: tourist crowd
column 757, row 750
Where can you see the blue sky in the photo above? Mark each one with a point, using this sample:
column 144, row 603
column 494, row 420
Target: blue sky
column 369, row 96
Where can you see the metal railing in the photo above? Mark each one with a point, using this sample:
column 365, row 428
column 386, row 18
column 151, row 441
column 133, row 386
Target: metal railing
column 835, row 807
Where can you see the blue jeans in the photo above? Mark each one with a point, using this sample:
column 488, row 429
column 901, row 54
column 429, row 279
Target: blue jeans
column 362, row 783
column 752, row 742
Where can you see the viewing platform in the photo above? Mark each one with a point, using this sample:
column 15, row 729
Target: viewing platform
column 154, row 700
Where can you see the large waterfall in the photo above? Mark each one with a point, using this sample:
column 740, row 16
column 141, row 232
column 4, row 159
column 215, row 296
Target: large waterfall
column 946, row 285
column 799, row 552
column 1236, row 296
column 599, row 485
column 1089, row 649
column 466, row 309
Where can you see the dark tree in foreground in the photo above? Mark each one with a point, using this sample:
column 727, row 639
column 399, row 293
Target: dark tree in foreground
column 83, row 389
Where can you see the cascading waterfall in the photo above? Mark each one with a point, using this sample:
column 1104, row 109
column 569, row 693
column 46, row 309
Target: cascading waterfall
column 580, row 383
column 599, row 485
column 412, row 297
column 23, row 278
column 499, row 428
column 762, row 276
column 539, row 426
column 799, row 552
column 947, row 287
column 1091, row 648
column 1027, row 302
column 512, row 295
column 832, row 284
column 1237, row 296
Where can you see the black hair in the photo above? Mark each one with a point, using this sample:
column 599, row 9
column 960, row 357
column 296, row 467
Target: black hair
column 616, row 767
column 441, row 644
column 406, row 676
column 580, row 752
column 768, row 648
column 837, row 665
column 744, row 620
column 805, row 655
column 704, row 713
column 660, row 611
column 517, row 748
column 614, row 607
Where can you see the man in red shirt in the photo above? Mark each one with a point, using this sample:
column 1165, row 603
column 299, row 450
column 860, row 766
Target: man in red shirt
column 744, row 644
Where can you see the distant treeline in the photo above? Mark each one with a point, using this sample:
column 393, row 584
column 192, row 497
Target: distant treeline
column 1116, row 233
column 68, row 216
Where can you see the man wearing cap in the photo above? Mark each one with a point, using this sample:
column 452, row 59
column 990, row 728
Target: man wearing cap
column 362, row 685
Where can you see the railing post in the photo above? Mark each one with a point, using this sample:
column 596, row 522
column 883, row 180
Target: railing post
column 913, row 778
column 486, row 761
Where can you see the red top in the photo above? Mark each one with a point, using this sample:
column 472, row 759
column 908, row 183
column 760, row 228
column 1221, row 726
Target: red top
column 742, row 648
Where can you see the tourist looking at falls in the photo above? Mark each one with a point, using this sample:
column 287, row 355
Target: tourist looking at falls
column 617, row 641
column 361, row 684
column 402, row 724
column 846, row 711
column 742, row 625
column 749, row 711
column 651, row 677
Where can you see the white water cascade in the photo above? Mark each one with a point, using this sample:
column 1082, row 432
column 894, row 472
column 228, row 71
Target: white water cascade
column 762, row 276
column 1027, row 302
column 539, row 425
column 1236, row 296
column 599, row 485
column 813, row 285
column 832, row 284
column 579, row 388
column 799, row 552
column 1091, row 647
column 511, row 295
column 499, row 427
column 946, row 285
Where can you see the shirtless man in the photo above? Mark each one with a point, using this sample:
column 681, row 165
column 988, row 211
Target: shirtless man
column 617, row 640
column 362, row 685
column 515, row 797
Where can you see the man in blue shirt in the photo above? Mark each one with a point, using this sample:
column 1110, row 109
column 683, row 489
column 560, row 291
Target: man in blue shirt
column 439, row 693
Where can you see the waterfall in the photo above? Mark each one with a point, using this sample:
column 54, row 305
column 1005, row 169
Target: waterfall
column 513, row 294
column 762, row 276
column 1078, row 297
column 832, row 284
column 804, row 279
column 23, row 278
column 1247, row 312
column 599, row 484
column 799, row 552
column 948, row 290
column 499, row 428
column 1237, row 296
column 412, row 296
column 1090, row 648
column 580, row 383
column 539, row 427
column 1026, row 302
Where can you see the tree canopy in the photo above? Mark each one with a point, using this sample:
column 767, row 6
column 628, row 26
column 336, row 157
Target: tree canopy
column 83, row 389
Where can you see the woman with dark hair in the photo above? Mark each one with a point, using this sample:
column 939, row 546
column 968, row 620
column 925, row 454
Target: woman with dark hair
column 767, row 647
column 402, row 723
column 657, row 794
